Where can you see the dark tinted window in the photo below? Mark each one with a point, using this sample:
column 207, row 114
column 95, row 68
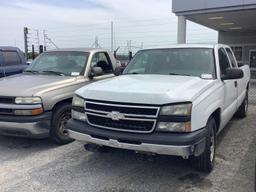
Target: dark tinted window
column 177, row 61
column 231, row 57
column 224, row 62
column 1, row 59
column 11, row 58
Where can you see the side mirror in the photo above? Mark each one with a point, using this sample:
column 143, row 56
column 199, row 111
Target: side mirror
column 118, row 71
column 233, row 73
column 95, row 71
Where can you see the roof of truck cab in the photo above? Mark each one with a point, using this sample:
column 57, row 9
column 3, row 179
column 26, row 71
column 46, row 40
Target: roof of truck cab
column 210, row 46
column 79, row 49
column 8, row 48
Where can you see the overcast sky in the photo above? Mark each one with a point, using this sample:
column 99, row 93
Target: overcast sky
column 76, row 23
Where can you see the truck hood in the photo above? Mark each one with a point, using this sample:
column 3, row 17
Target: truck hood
column 147, row 89
column 30, row 85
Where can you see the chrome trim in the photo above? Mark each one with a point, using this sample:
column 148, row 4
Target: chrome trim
column 16, row 106
column 128, row 106
column 125, row 118
column 183, row 151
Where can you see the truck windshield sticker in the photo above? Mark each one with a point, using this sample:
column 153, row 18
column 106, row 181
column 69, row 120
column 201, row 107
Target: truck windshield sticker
column 206, row 76
column 75, row 73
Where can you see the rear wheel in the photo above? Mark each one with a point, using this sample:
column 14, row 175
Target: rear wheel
column 242, row 110
column 205, row 162
column 58, row 131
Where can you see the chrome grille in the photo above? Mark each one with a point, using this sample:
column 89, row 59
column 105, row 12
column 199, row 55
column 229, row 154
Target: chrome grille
column 122, row 117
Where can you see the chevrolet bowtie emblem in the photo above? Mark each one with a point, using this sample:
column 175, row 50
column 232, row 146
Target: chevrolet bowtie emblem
column 116, row 116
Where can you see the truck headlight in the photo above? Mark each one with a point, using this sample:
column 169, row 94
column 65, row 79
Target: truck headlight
column 79, row 116
column 178, row 109
column 78, row 101
column 174, row 127
column 28, row 100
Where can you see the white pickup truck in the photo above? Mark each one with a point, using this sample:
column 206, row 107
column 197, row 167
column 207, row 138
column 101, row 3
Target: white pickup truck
column 170, row 101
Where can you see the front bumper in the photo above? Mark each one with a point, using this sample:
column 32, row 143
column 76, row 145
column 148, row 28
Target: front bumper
column 29, row 127
column 177, row 144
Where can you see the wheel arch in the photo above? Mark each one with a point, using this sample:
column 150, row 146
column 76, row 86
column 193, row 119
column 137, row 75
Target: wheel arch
column 216, row 115
column 59, row 103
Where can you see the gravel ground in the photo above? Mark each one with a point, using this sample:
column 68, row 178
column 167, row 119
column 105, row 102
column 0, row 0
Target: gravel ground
column 40, row 165
column 252, row 92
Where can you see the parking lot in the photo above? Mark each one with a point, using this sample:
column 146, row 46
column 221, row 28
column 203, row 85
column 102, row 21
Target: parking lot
column 40, row 165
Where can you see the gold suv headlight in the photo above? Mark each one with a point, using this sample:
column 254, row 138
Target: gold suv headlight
column 28, row 100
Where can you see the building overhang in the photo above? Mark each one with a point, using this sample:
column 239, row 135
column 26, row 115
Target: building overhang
column 223, row 16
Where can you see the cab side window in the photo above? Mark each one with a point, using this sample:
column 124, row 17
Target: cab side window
column 11, row 58
column 231, row 57
column 101, row 60
column 223, row 60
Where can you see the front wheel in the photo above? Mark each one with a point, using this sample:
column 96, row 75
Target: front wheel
column 58, row 131
column 205, row 162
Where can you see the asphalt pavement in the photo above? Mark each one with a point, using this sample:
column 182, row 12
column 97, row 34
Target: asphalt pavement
column 40, row 165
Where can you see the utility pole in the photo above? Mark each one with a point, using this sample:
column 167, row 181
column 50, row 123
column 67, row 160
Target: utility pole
column 33, row 52
column 49, row 40
column 114, row 41
column 26, row 41
column 38, row 39
column 129, row 45
column 44, row 34
column 96, row 42
column 112, row 36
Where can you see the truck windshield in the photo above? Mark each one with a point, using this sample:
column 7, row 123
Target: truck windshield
column 177, row 61
column 60, row 63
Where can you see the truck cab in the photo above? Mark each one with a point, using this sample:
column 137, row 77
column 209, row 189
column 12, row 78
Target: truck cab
column 169, row 100
column 12, row 61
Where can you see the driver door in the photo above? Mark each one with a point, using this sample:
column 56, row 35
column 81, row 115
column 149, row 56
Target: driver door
column 230, row 87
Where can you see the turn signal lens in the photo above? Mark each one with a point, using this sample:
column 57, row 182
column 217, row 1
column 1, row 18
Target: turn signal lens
column 32, row 112
column 37, row 111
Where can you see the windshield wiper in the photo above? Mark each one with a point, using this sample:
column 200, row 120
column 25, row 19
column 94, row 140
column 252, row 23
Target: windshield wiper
column 31, row 71
column 54, row 72
column 133, row 73
column 179, row 74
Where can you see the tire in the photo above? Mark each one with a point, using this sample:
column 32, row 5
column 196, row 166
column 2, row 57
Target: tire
column 242, row 110
column 205, row 162
column 58, row 132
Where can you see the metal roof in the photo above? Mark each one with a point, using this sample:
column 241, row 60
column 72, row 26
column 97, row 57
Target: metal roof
column 10, row 48
column 224, row 16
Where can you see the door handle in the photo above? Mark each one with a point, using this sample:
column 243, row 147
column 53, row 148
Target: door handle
column 235, row 83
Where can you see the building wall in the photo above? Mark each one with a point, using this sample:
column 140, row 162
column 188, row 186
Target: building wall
column 247, row 41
